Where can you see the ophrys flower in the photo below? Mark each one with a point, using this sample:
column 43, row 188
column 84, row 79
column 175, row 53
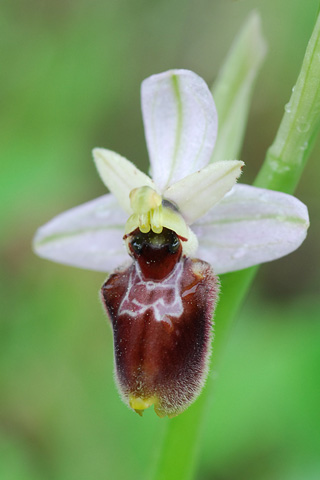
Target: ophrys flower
column 161, row 304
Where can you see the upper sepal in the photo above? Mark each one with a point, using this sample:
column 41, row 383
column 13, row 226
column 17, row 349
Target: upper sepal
column 180, row 122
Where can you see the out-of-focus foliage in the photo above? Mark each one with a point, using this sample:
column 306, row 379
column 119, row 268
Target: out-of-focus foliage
column 70, row 81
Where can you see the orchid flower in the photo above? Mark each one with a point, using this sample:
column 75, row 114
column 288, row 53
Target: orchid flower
column 160, row 300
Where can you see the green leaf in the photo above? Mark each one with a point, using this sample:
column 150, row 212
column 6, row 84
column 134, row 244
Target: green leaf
column 233, row 88
column 287, row 156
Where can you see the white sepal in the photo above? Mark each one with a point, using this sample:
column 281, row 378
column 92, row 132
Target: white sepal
column 180, row 122
column 196, row 194
column 251, row 226
column 88, row 236
column 120, row 175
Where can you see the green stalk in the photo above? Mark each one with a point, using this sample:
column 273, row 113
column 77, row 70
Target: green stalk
column 287, row 156
column 281, row 170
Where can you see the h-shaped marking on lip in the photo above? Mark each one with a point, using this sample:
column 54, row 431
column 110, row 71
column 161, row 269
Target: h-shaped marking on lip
column 162, row 308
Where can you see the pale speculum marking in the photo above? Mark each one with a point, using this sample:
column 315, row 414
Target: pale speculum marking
column 161, row 297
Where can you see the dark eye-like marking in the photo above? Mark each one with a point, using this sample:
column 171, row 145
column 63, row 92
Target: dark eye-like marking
column 151, row 244
column 137, row 243
column 174, row 243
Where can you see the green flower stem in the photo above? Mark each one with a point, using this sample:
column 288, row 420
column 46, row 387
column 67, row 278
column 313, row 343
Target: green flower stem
column 281, row 170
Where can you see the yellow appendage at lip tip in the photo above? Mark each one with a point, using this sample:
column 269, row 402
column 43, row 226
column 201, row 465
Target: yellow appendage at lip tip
column 139, row 404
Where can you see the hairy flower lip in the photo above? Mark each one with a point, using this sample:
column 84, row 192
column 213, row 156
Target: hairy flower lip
column 162, row 349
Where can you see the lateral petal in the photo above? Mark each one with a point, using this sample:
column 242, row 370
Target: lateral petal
column 88, row 236
column 180, row 122
column 120, row 175
column 197, row 193
column 251, row 226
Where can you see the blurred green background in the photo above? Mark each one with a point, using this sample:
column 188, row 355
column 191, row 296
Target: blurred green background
column 70, row 78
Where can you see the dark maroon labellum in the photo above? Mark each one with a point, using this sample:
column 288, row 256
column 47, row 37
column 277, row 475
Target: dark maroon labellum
column 161, row 308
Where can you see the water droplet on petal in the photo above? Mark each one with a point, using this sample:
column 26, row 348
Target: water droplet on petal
column 265, row 197
column 287, row 107
column 240, row 252
column 273, row 164
column 101, row 212
column 302, row 125
column 304, row 146
column 278, row 167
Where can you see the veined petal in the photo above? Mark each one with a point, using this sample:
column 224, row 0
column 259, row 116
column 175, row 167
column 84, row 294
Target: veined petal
column 88, row 236
column 197, row 193
column 120, row 175
column 180, row 122
column 251, row 226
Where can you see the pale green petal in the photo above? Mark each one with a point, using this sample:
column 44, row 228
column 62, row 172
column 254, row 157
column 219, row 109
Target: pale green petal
column 120, row 175
column 197, row 193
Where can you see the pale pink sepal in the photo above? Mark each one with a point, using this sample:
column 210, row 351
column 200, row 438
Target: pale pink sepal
column 180, row 122
column 88, row 236
column 250, row 226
